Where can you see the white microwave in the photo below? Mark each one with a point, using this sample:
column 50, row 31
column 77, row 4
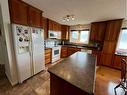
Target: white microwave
column 54, row 34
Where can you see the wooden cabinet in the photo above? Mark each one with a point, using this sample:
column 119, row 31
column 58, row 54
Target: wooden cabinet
column 65, row 32
column 117, row 61
column 54, row 26
column 45, row 27
column 107, row 59
column 113, row 30
column 25, row 14
column 35, row 17
column 18, row 12
column 110, row 41
column 64, row 51
column 48, row 55
column 109, row 47
column 97, row 31
column 72, row 50
column 98, row 54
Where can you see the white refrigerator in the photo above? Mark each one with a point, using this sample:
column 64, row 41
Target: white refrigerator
column 29, row 50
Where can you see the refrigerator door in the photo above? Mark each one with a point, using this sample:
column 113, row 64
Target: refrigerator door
column 21, row 39
column 38, row 50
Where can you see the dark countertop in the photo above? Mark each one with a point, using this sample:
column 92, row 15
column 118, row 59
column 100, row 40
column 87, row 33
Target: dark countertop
column 121, row 54
column 79, row 70
column 83, row 47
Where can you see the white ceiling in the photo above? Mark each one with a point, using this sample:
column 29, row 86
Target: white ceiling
column 85, row 11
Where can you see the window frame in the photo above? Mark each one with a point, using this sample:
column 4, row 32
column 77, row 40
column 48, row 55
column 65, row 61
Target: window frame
column 79, row 31
column 118, row 42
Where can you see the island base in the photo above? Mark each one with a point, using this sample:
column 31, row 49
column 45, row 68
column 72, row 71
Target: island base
column 59, row 86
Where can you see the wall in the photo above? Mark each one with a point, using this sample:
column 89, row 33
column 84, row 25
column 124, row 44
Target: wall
column 10, row 66
column 80, row 27
column 124, row 23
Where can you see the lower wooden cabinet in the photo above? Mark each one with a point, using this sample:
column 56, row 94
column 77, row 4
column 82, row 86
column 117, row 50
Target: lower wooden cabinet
column 72, row 50
column 98, row 54
column 67, row 51
column 107, row 59
column 117, row 61
column 48, row 55
column 64, row 52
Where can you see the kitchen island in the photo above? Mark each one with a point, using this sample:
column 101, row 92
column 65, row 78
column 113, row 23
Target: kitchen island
column 75, row 75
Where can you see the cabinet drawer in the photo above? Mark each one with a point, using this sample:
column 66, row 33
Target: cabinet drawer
column 47, row 56
column 47, row 51
column 47, row 61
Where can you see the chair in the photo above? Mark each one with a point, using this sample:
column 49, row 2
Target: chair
column 123, row 82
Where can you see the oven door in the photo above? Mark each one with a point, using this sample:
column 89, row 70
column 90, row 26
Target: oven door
column 55, row 53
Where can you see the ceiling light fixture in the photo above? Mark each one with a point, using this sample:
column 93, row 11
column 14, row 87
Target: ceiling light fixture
column 68, row 18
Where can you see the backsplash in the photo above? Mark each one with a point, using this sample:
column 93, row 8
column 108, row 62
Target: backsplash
column 52, row 42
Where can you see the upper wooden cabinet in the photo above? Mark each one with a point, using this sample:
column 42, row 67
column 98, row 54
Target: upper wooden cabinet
column 22, row 13
column 35, row 17
column 97, row 31
column 65, row 32
column 18, row 12
column 54, row 26
column 45, row 27
column 113, row 30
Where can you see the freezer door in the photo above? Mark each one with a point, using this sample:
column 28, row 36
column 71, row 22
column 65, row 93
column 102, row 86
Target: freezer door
column 21, row 41
column 38, row 50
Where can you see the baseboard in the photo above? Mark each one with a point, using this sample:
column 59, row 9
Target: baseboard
column 12, row 83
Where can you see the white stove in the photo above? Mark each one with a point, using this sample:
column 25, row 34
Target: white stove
column 56, row 51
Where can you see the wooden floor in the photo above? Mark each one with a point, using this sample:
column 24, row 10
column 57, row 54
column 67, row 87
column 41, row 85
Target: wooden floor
column 106, row 80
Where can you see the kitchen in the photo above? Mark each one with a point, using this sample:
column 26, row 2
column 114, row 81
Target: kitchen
column 61, row 40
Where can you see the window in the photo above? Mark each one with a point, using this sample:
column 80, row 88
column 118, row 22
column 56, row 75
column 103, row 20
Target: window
column 122, row 43
column 79, row 36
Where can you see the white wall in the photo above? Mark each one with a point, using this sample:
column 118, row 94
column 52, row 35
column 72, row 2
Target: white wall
column 10, row 66
column 80, row 27
column 124, row 23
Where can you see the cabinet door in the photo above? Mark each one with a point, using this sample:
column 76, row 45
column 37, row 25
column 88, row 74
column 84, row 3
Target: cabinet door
column 45, row 27
column 50, row 25
column 113, row 30
column 64, row 52
column 101, row 31
column 109, row 47
column 97, row 31
column 35, row 17
column 65, row 32
column 106, row 59
column 93, row 32
column 71, row 50
column 18, row 12
column 117, row 61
